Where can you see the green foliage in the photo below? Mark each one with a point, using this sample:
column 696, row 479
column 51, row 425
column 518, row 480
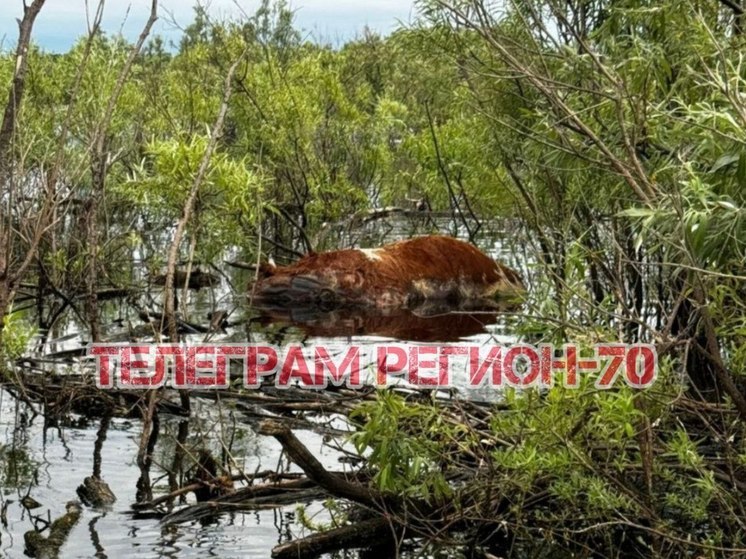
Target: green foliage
column 332, row 507
column 565, row 439
column 313, row 133
column 404, row 442
column 615, row 131
column 226, row 200
column 17, row 334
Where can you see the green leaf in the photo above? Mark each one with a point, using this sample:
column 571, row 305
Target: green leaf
column 724, row 161
column 637, row 212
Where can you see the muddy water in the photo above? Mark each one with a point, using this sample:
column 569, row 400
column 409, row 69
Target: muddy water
column 48, row 462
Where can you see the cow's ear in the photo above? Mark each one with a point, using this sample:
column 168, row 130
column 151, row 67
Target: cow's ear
column 267, row 269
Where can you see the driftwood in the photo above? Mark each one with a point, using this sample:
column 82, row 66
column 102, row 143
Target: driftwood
column 209, row 509
column 266, row 495
column 40, row 546
column 476, row 504
column 388, row 516
column 361, row 534
column 163, row 499
column 419, row 514
column 335, row 484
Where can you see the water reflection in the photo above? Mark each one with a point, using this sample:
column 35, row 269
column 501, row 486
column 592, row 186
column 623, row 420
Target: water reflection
column 47, row 448
column 48, row 463
column 434, row 322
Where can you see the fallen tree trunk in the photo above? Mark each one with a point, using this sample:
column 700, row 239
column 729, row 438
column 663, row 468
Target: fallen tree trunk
column 359, row 535
column 334, row 484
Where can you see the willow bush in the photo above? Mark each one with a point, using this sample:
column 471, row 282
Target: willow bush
column 613, row 130
column 618, row 130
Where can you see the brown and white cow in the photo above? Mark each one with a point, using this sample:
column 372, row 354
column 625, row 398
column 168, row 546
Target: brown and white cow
column 402, row 274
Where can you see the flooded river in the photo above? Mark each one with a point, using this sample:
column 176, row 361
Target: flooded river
column 43, row 460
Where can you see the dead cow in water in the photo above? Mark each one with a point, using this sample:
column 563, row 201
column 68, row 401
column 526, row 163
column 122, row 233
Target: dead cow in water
column 402, row 274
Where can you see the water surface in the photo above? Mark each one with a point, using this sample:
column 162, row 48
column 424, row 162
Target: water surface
column 47, row 459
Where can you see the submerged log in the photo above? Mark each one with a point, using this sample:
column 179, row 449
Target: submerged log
column 265, row 495
column 245, row 493
column 298, row 453
column 210, row 483
column 95, row 492
column 39, row 546
column 361, row 534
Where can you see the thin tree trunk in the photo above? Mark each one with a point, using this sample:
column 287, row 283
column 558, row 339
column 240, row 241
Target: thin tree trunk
column 99, row 169
column 9, row 278
column 169, row 303
column 18, row 86
column 173, row 252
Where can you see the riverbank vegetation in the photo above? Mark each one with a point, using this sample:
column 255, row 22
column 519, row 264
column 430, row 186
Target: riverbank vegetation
column 614, row 133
